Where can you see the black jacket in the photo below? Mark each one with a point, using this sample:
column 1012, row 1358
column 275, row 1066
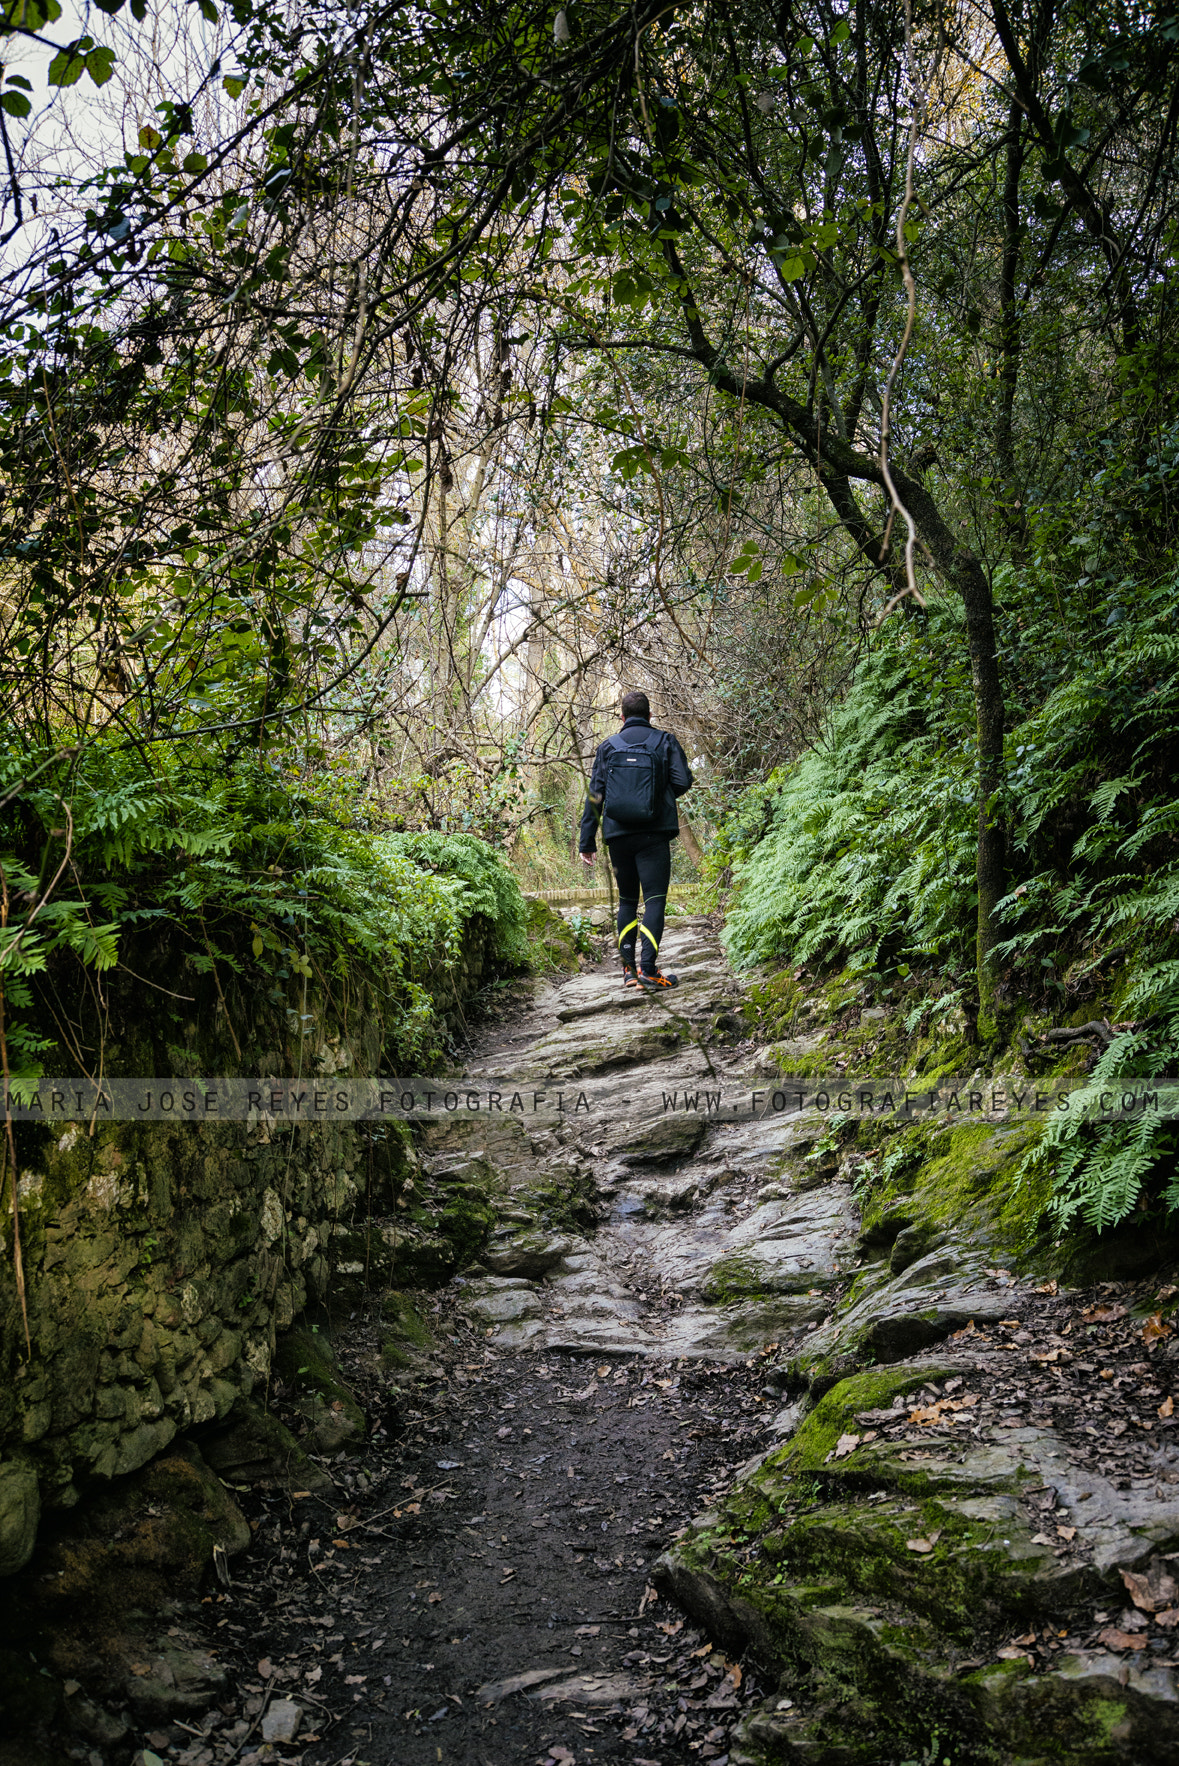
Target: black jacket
column 666, row 823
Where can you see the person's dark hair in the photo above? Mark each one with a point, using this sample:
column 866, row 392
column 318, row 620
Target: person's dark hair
column 636, row 705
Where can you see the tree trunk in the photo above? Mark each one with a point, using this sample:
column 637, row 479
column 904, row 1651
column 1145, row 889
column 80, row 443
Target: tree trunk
column 989, row 722
column 691, row 845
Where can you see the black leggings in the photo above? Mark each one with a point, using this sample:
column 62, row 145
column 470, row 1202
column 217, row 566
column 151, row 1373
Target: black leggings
column 648, row 869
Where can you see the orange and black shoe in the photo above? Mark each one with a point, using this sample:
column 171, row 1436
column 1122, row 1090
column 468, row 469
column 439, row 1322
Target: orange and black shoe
column 658, row 979
column 629, row 978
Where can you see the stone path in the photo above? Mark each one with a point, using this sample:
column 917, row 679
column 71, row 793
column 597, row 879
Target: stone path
column 700, row 1252
column 718, row 1238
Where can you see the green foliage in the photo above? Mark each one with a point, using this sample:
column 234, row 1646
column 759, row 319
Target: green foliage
column 250, row 873
column 870, row 843
column 475, row 880
column 868, row 853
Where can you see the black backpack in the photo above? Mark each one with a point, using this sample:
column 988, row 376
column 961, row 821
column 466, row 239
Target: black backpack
column 636, row 779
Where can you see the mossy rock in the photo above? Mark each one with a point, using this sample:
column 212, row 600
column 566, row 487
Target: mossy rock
column 257, row 1448
column 969, row 1178
column 408, row 1338
column 551, row 943
column 810, row 1447
column 870, row 1583
column 139, row 1542
column 305, row 1359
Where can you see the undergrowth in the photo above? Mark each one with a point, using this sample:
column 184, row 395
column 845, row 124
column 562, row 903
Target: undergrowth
column 861, row 854
column 251, row 870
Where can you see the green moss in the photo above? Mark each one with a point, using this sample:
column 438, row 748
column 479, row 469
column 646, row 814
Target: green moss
column 408, row 1337
column 306, row 1360
column 734, row 1278
column 835, row 1415
column 552, row 946
column 967, row 1177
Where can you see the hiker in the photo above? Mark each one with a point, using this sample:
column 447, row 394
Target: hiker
column 637, row 776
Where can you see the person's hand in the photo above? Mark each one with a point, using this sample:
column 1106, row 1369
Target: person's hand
column 587, row 859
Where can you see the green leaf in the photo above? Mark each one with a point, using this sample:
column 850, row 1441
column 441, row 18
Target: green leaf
column 100, row 65
column 15, row 104
column 234, row 85
column 842, row 32
column 69, row 64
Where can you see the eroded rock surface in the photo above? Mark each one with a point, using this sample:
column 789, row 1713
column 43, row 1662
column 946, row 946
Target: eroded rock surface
column 919, row 1557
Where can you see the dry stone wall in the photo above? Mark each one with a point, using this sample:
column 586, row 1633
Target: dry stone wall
column 160, row 1261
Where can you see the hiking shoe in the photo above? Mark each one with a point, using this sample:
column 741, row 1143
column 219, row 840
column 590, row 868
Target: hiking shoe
column 658, row 980
column 629, row 978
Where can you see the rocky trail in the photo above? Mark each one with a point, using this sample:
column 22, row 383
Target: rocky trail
column 701, row 1459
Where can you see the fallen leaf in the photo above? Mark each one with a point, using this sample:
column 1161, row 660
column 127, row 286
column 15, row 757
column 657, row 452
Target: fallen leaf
column 1025, row 1642
column 433, row 1599
column 602, row 1372
column 845, row 1445
column 734, row 1674
column 342, row 1544
column 1067, row 1532
column 1167, row 1293
column 924, row 1545
column 1047, row 1288
column 265, row 1668
column 1155, row 1328
column 1112, row 1638
column 502, row 1434
column 507, row 1576
column 313, row 1675
column 1169, row 1619
column 668, row 1626
column 355, row 1679
column 1167, row 1407
column 1153, row 1591
column 1011, row 1654
column 141, row 1668
column 942, row 1408
column 1104, row 1314
column 1041, row 1539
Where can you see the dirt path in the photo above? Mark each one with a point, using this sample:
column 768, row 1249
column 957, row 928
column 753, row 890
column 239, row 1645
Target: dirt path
column 479, row 1591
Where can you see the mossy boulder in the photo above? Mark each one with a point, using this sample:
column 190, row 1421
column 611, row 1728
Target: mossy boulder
column 552, row 944
column 256, row 1448
column 875, row 1582
column 407, row 1339
column 305, row 1359
column 20, row 1511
